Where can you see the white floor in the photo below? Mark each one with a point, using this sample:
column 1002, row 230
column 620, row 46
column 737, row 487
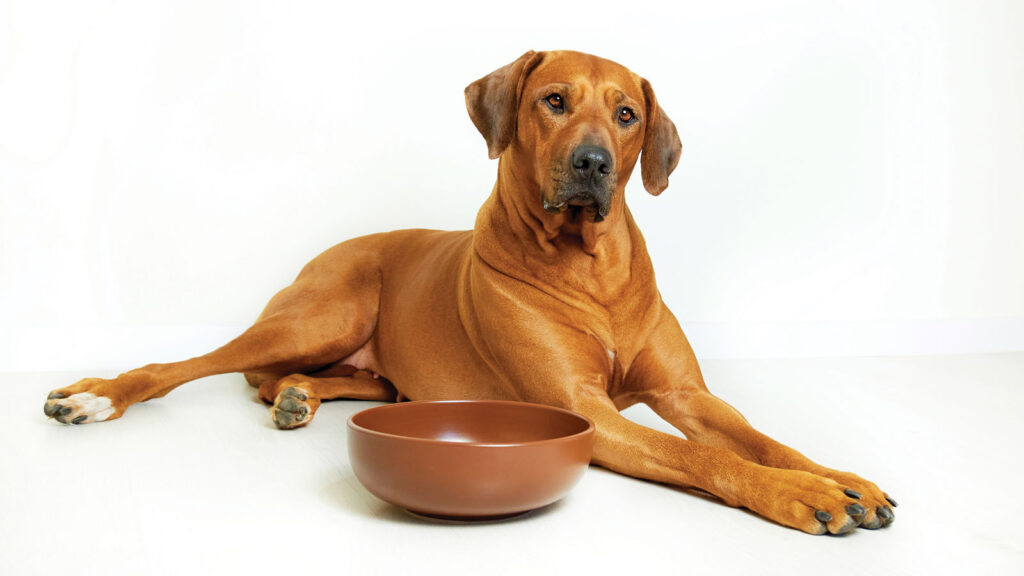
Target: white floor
column 201, row 483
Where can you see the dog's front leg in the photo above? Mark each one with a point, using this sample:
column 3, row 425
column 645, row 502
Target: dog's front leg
column 577, row 381
column 556, row 360
column 794, row 498
column 665, row 377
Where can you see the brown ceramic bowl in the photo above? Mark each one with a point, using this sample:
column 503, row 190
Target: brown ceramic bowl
column 469, row 459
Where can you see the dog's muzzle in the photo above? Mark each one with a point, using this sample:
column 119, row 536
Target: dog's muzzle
column 590, row 185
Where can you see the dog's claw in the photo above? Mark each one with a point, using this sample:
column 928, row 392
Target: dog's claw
column 891, row 501
column 856, row 510
column 55, row 396
column 852, row 493
column 79, row 419
column 823, row 516
column 885, row 514
column 65, row 411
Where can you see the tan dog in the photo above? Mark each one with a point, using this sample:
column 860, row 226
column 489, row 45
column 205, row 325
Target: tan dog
column 550, row 298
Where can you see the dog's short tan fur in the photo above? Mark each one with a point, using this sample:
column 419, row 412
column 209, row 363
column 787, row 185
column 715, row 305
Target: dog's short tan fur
column 544, row 301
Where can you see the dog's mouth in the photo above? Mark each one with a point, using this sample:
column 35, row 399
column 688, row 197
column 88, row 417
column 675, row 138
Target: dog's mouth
column 578, row 204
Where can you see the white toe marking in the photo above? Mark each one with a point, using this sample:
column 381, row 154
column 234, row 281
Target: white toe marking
column 98, row 408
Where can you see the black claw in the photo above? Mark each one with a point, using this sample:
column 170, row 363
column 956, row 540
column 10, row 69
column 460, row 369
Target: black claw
column 65, row 410
column 79, row 419
column 856, row 510
column 823, row 516
column 51, row 409
column 884, row 513
column 891, row 501
column 852, row 493
column 55, row 396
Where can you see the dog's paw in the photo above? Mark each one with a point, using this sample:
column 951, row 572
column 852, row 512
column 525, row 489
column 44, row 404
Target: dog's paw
column 294, row 407
column 808, row 502
column 81, row 403
column 878, row 504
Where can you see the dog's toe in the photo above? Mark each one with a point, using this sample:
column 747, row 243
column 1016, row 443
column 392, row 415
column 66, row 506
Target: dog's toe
column 293, row 408
column 811, row 503
column 876, row 503
column 80, row 408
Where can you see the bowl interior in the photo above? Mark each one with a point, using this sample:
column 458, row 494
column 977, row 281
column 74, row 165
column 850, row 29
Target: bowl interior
column 478, row 422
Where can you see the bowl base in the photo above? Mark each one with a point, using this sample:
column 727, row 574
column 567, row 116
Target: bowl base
column 465, row 519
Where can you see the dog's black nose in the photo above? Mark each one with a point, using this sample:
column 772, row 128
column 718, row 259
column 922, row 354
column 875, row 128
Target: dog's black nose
column 591, row 162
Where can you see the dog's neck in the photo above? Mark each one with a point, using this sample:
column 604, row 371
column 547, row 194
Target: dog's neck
column 514, row 234
column 518, row 198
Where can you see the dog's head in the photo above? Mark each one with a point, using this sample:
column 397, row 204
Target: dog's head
column 574, row 125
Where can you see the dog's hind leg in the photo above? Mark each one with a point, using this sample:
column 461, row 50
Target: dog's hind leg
column 295, row 399
column 321, row 318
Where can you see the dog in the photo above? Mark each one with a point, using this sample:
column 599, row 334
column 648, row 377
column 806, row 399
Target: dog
column 551, row 298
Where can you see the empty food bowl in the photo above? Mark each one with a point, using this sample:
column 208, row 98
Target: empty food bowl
column 469, row 459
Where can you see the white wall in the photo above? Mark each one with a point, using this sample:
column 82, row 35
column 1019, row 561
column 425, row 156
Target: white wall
column 851, row 180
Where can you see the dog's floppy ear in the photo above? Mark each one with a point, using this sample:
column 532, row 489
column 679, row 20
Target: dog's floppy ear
column 661, row 145
column 493, row 102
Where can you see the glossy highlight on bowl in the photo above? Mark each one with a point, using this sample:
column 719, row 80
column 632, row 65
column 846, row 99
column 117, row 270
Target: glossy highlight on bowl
column 469, row 459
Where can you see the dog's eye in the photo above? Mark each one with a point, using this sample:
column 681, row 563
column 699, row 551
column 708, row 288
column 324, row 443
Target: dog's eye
column 626, row 115
column 555, row 101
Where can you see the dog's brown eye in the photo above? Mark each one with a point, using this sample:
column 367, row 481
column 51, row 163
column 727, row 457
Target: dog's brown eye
column 555, row 101
column 626, row 115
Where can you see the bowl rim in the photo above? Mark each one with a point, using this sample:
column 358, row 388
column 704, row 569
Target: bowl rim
column 397, row 406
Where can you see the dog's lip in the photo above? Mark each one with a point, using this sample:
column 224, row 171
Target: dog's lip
column 554, row 208
column 582, row 201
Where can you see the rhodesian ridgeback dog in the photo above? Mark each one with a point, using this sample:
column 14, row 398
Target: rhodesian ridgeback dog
column 550, row 298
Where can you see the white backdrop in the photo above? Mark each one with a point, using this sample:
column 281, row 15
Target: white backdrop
column 851, row 180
